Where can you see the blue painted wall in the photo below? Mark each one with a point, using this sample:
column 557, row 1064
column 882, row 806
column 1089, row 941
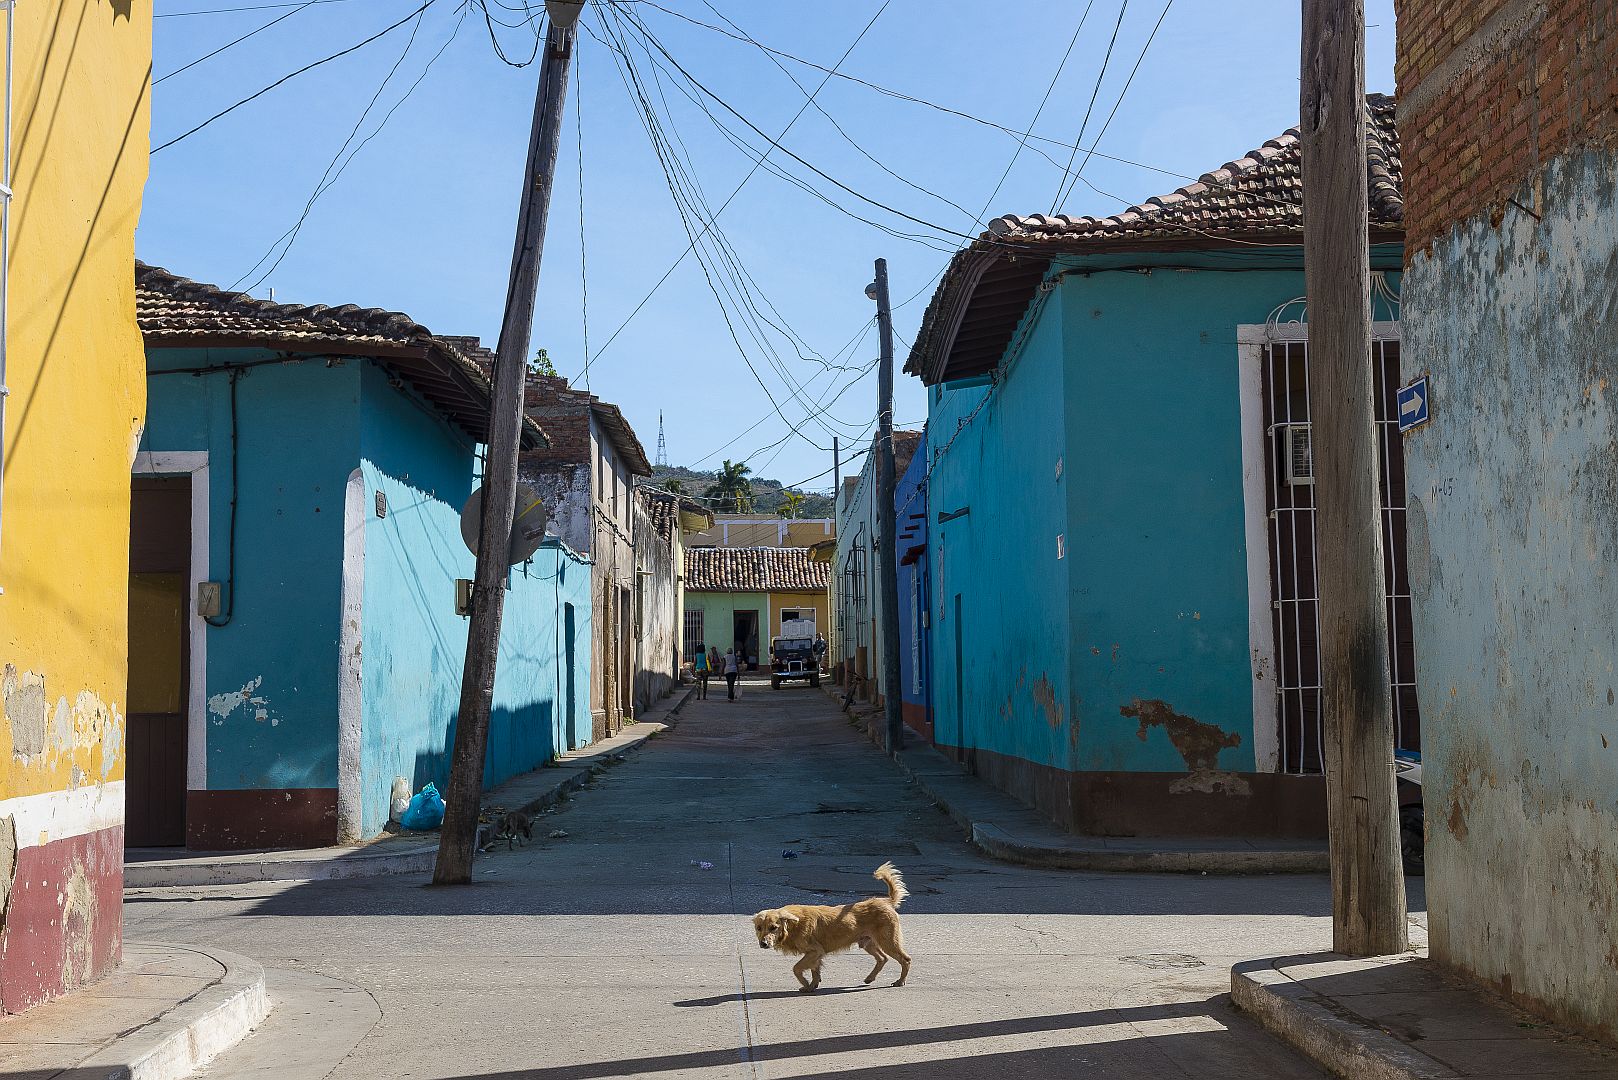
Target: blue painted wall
column 415, row 644
column 915, row 584
column 1116, row 427
column 1011, row 692
column 272, row 672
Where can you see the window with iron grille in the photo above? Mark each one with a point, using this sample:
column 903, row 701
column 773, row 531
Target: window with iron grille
column 1294, row 582
column 694, row 641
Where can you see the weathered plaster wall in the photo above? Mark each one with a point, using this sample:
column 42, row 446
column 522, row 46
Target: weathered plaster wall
column 1513, row 540
column 415, row 644
column 75, row 413
column 657, row 641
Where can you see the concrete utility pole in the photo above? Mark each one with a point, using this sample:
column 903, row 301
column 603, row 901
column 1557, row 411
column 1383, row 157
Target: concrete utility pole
column 888, row 566
column 463, row 800
column 1368, row 898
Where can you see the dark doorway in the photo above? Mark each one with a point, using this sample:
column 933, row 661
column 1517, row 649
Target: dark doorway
column 744, row 636
column 570, row 636
column 159, row 659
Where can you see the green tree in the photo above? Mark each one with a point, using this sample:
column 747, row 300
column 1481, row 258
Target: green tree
column 541, row 364
column 732, row 488
column 674, row 487
column 791, row 504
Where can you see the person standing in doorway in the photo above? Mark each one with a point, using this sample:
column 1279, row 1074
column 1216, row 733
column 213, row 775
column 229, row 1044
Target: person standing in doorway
column 701, row 668
column 733, row 671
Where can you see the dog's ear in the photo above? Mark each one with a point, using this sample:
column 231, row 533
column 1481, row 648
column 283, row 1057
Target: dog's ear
column 789, row 919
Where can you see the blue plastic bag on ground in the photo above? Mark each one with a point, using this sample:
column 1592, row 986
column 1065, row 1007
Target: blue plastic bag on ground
column 426, row 811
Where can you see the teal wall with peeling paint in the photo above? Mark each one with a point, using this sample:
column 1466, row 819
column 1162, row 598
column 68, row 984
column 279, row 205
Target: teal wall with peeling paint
column 1117, row 428
column 272, row 670
column 272, row 673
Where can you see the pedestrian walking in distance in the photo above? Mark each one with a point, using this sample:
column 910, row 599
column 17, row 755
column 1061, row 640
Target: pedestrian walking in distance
column 715, row 664
column 733, row 671
column 700, row 667
column 820, row 651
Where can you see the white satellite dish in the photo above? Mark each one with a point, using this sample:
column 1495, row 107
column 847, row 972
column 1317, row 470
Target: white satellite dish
column 527, row 527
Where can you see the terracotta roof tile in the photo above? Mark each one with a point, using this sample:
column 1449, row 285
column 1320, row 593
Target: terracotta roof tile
column 1261, row 190
column 758, row 569
column 1258, row 196
column 177, row 312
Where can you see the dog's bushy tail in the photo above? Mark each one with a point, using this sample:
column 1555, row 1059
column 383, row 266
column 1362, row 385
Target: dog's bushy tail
column 889, row 875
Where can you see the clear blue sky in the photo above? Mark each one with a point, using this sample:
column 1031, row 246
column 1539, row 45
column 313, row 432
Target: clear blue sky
column 421, row 219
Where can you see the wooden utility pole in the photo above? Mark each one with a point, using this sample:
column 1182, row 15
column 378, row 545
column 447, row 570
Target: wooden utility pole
column 464, row 797
column 887, row 526
column 1368, row 899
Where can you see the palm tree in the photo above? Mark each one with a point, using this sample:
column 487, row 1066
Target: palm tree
column 791, row 504
column 674, row 487
column 732, row 487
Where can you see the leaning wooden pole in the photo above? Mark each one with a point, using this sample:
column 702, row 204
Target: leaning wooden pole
column 463, row 799
column 1368, row 899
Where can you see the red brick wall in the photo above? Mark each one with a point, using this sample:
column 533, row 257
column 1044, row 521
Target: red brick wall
column 1489, row 91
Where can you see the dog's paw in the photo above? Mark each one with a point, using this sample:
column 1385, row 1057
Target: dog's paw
column 901, row 982
column 807, row 989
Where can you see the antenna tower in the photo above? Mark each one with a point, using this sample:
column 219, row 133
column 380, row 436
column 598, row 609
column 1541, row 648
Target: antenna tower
column 662, row 445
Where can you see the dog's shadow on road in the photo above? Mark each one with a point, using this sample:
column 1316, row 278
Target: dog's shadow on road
column 726, row 999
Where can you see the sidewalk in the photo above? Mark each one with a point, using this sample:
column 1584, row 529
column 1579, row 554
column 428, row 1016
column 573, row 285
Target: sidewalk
column 1003, row 828
column 165, row 1012
column 1404, row 1018
column 407, row 853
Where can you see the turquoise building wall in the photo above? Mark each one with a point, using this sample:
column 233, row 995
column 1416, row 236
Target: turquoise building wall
column 415, row 644
column 273, row 673
column 1117, row 427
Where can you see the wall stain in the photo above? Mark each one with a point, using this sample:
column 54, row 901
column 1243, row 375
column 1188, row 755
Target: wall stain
column 1045, row 698
column 1198, row 743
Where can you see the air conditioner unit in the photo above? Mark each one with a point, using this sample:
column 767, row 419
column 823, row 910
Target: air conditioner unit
column 1300, row 454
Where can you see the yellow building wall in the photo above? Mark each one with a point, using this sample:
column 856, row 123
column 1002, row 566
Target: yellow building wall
column 797, row 601
column 81, row 135
column 76, row 368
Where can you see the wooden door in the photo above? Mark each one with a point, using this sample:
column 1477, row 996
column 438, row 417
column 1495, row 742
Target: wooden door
column 159, row 587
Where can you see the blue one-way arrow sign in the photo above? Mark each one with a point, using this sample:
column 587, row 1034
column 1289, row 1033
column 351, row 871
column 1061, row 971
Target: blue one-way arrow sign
column 1414, row 403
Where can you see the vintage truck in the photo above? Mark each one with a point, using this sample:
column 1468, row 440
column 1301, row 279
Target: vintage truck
column 792, row 654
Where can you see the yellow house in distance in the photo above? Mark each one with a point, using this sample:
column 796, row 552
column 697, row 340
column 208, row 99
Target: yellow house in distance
column 739, row 597
column 75, row 155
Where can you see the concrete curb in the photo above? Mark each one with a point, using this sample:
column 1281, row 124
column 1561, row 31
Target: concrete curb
column 294, row 866
column 999, row 844
column 1065, row 853
column 190, row 1035
column 397, row 857
column 583, row 771
column 1343, row 1045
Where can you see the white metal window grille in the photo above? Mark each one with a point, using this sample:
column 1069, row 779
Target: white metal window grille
column 1295, row 607
column 694, row 641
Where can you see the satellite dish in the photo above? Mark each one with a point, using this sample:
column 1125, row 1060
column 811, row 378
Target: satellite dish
column 527, row 526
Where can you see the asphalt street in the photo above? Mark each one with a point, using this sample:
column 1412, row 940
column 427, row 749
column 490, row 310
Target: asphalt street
column 624, row 949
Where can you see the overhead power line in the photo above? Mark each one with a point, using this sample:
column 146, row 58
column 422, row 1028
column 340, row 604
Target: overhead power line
column 1071, row 180
column 830, row 72
column 292, row 75
column 248, row 7
column 296, row 8
column 1084, row 124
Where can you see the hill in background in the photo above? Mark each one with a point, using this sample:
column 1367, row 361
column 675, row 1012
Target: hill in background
column 768, row 495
